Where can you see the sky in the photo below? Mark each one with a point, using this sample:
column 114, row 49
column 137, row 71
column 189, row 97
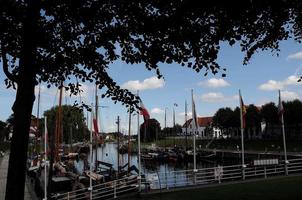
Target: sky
column 259, row 82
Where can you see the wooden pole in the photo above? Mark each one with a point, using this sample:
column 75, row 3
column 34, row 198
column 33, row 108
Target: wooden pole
column 58, row 126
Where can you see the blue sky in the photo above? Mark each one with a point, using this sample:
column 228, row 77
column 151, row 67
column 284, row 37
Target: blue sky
column 258, row 81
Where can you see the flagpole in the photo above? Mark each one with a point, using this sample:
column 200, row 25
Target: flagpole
column 96, row 134
column 91, row 154
column 242, row 136
column 118, row 145
column 165, row 128
column 129, row 142
column 45, row 158
column 194, row 132
column 283, row 134
column 186, row 123
column 139, row 151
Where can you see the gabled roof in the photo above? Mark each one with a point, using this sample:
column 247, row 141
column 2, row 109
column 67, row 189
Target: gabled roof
column 202, row 121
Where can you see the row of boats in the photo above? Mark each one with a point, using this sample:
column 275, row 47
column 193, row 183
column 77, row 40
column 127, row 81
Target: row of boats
column 174, row 154
column 73, row 172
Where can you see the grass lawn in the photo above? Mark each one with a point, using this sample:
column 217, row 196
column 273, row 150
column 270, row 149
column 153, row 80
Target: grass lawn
column 271, row 189
column 259, row 145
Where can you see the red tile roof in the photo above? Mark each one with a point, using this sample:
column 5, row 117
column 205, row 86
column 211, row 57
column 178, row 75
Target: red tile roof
column 202, row 121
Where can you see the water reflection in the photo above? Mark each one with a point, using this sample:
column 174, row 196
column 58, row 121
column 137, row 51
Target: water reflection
column 164, row 174
column 108, row 153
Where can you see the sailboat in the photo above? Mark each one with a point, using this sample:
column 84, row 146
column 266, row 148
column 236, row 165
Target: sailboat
column 63, row 175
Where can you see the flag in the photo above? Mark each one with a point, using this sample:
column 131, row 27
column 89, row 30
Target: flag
column 242, row 110
column 280, row 107
column 144, row 111
column 95, row 125
column 194, row 115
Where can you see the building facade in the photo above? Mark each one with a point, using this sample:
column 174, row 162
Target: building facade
column 205, row 130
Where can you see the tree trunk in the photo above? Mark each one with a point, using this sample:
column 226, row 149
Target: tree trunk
column 22, row 107
column 19, row 145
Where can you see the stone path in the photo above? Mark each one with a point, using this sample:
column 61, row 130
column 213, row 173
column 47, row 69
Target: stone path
column 3, row 174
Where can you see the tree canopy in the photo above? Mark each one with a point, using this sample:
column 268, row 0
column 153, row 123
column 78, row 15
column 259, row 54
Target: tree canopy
column 73, row 121
column 153, row 130
column 75, row 41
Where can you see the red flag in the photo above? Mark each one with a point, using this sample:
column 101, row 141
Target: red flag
column 144, row 112
column 95, row 125
column 243, row 111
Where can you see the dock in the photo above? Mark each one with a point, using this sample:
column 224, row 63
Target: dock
column 28, row 193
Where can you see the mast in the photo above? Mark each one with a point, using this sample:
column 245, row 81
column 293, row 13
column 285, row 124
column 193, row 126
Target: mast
column 37, row 119
column 129, row 142
column 96, row 134
column 45, row 158
column 91, row 156
column 58, row 126
column 139, row 150
column 38, row 109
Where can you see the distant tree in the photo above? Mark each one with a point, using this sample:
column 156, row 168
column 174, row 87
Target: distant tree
column 167, row 132
column 293, row 118
column 177, row 129
column 73, row 120
column 269, row 113
column 223, row 119
column 152, row 131
column 236, row 118
column 253, row 120
column 53, row 41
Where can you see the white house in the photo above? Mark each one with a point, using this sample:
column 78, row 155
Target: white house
column 203, row 123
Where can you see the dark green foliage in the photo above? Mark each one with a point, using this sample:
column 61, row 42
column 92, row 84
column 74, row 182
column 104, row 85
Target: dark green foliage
column 67, row 41
column 253, row 116
column 153, row 130
column 223, row 118
column 269, row 113
column 293, row 118
column 73, row 121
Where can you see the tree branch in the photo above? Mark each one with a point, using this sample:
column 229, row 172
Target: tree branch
column 5, row 65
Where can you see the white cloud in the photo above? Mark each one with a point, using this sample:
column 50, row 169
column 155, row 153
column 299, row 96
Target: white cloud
column 149, row 83
column 288, row 95
column 214, row 83
column 271, row 85
column 213, row 97
column 278, row 85
column 292, row 80
column 157, row 111
column 295, row 56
